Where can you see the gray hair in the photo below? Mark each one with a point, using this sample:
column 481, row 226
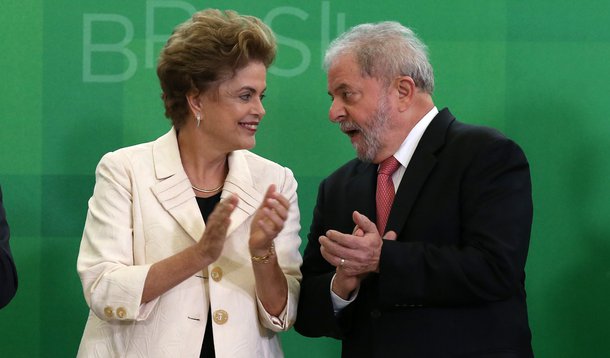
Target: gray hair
column 385, row 50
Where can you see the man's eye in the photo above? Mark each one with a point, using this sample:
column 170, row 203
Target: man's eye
column 262, row 97
column 347, row 94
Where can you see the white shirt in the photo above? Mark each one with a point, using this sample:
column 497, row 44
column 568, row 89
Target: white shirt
column 403, row 155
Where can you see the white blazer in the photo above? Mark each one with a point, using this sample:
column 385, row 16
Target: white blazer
column 143, row 210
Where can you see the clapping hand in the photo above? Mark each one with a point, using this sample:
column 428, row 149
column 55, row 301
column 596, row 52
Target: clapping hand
column 268, row 221
column 355, row 255
column 215, row 234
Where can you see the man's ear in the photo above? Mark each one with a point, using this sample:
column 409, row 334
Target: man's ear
column 406, row 89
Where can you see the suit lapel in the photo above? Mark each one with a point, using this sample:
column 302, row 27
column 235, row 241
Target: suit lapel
column 174, row 188
column 419, row 168
column 364, row 183
column 176, row 196
column 239, row 182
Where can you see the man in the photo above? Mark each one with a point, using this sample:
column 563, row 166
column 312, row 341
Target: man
column 447, row 279
column 8, row 274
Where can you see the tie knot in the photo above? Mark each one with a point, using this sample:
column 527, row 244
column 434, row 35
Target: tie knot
column 389, row 166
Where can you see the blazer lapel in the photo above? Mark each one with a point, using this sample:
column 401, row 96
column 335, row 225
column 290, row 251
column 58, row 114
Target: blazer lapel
column 174, row 188
column 364, row 183
column 418, row 170
column 239, row 182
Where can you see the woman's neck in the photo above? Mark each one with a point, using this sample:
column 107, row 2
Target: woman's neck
column 205, row 167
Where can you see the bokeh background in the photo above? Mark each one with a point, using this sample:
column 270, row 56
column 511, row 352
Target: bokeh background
column 77, row 80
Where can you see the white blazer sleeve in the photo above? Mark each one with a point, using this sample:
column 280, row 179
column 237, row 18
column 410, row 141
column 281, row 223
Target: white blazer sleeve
column 112, row 282
column 287, row 245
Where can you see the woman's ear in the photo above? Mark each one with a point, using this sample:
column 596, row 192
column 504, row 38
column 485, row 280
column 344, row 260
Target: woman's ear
column 194, row 100
column 406, row 89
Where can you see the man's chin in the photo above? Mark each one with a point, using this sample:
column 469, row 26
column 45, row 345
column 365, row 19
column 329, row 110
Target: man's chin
column 363, row 155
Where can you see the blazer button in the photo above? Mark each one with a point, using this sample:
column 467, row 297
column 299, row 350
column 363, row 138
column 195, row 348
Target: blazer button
column 220, row 316
column 121, row 312
column 108, row 311
column 216, row 274
column 375, row 313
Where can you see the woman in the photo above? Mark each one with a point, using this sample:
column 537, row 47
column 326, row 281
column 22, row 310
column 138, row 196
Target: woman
column 164, row 277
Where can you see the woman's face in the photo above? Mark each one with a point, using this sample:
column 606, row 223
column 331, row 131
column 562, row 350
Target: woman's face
column 230, row 119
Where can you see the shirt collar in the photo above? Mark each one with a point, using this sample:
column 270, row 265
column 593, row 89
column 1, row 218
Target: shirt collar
column 407, row 148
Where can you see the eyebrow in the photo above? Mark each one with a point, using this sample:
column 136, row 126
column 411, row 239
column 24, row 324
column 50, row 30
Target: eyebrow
column 251, row 89
column 340, row 87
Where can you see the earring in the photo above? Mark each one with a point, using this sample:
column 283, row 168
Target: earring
column 198, row 119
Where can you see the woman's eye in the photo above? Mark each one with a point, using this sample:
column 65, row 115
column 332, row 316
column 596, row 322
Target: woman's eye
column 246, row 97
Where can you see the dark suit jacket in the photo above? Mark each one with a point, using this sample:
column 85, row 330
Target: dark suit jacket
column 8, row 274
column 452, row 284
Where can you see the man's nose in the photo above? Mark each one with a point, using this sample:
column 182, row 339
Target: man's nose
column 336, row 113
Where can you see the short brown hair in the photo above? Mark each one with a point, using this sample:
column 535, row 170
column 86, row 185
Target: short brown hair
column 206, row 50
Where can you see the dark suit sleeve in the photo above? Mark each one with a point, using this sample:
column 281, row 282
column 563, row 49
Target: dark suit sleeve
column 8, row 273
column 483, row 259
column 315, row 317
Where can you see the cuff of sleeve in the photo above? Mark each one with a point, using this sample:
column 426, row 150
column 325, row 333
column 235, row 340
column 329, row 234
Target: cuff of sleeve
column 119, row 293
column 338, row 302
column 278, row 322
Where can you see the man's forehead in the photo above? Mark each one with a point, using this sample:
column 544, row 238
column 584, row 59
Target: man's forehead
column 343, row 73
column 349, row 79
column 344, row 62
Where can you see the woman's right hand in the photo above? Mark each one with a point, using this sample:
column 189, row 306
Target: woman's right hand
column 213, row 239
column 169, row 272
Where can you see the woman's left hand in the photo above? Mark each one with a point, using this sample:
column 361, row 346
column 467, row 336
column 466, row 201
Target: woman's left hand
column 268, row 221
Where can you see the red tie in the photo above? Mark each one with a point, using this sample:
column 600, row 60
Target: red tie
column 385, row 191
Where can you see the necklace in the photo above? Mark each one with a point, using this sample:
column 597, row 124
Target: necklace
column 207, row 191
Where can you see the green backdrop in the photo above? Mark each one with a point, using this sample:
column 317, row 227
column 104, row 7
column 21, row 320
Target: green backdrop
column 77, row 80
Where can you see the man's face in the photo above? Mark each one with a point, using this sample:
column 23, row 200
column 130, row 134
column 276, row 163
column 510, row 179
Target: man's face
column 360, row 106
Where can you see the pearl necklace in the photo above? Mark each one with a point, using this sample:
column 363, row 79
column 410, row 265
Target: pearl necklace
column 207, row 191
